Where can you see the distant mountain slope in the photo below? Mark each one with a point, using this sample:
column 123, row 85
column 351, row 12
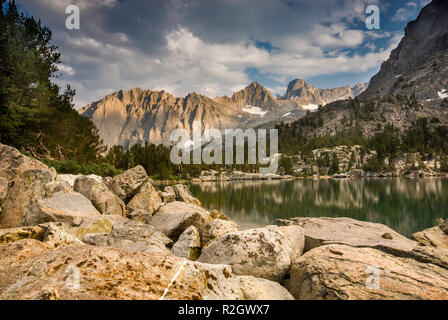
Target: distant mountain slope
column 310, row 98
column 137, row 116
column 420, row 62
column 411, row 84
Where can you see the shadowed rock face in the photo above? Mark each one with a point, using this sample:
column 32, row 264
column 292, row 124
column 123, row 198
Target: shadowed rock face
column 419, row 63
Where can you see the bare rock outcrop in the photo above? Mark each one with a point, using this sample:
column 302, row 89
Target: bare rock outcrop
column 307, row 95
column 13, row 163
column 126, row 185
column 104, row 200
column 37, row 197
column 30, row 269
column 130, row 236
column 347, row 273
column 264, row 252
column 168, row 195
column 175, row 217
column 71, row 178
column 347, row 231
column 216, row 229
column 19, row 233
column 184, row 194
column 146, row 201
column 188, row 245
column 55, row 235
column 432, row 237
column 59, row 204
column 419, row 64
column 262, row 289
column 93, row 225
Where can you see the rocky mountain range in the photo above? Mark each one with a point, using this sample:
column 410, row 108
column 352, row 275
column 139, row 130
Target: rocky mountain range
column 411, row 84
column 138, row 116
column 309, row 98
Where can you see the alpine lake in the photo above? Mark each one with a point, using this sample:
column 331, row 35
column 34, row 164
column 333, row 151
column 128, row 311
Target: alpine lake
column 405, row 205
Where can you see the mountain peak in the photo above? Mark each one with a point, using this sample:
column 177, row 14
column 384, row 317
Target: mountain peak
column 255, row 84
column 256, row 95
column 419, row 63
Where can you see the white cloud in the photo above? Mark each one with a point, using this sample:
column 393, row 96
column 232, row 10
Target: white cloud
column 405, row 13
column 122, row 37
column 206, row 46
column 66, row 69
column 190, row 64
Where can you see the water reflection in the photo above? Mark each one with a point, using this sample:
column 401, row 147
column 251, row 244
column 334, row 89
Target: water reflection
column 406, row 205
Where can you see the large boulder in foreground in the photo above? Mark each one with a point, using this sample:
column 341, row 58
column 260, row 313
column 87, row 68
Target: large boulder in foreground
column 131, row 236
column 145, row 202
column 168, row 195
column 71, row 178
column 24, row 190
column 4, row 186
column 263, row 252
column 104, row 200
column 432, row 237
column 93, row 225
column 30, row 269
column 13, row 163
column 56, row 236
column 216, row 229
column 59, row 204
column 262, row 289
column 346, row 272
column 188, row 245
column 16, row 234
column 126, row 185
column 37, row 196
column 321, row 231
column 175, row 217
column 347, row 231
column 184, row 194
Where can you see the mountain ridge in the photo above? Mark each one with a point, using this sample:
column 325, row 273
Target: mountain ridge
column 420, row 61
column 126, row 117
column 410, row 85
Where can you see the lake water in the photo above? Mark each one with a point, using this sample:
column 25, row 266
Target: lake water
column 405, row 205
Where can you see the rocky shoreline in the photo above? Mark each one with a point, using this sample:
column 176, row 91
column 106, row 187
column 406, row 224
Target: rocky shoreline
column 214, row 176
column 87, row 237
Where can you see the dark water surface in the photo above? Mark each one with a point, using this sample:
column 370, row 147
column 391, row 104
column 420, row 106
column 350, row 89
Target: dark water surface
column 406, row 205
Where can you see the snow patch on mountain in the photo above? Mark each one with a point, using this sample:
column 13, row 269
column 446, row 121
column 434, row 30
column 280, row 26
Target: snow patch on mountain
column 255, row 110
column 442, row 94
column 310, row 107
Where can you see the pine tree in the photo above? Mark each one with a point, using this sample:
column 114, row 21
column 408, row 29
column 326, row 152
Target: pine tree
column 34, row 115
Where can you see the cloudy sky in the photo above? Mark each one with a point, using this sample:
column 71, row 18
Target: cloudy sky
column 216, row 47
